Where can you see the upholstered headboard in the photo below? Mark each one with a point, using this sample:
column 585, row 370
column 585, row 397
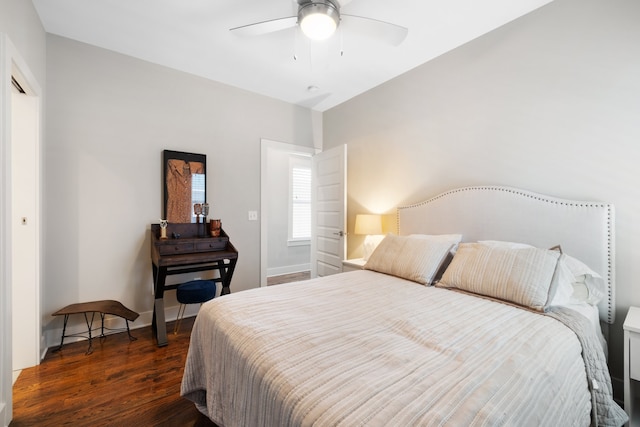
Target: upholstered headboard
column 585, row 230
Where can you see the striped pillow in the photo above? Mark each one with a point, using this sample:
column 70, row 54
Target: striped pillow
column 410, row 258
column 518, row 275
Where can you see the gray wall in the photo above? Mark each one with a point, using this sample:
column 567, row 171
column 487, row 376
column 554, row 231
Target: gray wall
column 110, row 117
column 549, row 103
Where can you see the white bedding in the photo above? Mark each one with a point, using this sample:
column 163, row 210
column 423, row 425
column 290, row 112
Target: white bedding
column 591, row 313
column 365, row 348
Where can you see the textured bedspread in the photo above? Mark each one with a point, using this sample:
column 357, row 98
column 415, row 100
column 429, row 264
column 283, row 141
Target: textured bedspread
column 364, row 348
column 604, row 412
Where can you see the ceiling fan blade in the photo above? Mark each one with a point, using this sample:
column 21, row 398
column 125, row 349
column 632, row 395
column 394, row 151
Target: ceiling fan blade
column 265, row 27
column 385, row 31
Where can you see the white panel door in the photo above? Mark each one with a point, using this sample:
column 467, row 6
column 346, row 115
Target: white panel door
column 25, row 253
column 329, row 181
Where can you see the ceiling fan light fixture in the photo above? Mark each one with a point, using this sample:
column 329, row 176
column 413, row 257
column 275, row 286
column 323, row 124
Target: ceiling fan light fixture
column 318, row 20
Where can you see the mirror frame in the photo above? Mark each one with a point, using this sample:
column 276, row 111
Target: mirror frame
column 168, row 155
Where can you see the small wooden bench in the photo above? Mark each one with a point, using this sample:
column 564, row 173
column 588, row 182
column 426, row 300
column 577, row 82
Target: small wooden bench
column 103, row 307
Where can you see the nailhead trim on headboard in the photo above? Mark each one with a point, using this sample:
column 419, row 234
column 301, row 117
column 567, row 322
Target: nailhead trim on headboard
column 609, row 209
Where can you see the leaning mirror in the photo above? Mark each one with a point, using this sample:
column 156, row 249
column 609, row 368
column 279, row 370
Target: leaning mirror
column 184, row 179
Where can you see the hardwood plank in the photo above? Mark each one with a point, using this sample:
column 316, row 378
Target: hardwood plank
column 287, row 278
column 122, row 383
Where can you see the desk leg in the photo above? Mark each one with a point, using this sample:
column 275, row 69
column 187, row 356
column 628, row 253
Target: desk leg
column 226, row 273
column 159, row 323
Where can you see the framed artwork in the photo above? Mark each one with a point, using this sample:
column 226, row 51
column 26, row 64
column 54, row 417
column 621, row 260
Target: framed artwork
column 185, row 185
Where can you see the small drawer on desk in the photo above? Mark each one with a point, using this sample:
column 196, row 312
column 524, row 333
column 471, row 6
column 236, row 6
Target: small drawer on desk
column 176, row 248
column 634, row 356
column 212, row 244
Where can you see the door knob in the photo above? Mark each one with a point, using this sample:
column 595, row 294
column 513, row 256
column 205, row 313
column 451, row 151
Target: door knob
column 339, row 233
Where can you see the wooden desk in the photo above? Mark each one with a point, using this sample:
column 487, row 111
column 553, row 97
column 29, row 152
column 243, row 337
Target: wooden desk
column 187, row 254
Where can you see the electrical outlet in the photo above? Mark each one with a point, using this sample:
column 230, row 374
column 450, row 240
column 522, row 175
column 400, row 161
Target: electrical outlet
column 253, row 215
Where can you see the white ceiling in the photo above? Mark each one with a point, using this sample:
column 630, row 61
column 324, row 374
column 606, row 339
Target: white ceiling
column 193, row 36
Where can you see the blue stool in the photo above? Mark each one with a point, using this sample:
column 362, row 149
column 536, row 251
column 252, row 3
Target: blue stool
column 193, row 292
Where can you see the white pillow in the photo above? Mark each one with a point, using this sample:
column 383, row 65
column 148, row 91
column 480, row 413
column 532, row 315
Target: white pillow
column 561, row 288
column 580, row 293
column 454, row 239
column 410, row 258
column 503, row 244
column 574, row 282
column 562, row 284
column 520, row 275
column 588, row 286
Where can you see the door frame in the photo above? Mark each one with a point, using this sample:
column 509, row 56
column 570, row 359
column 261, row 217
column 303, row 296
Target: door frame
column 266, row 145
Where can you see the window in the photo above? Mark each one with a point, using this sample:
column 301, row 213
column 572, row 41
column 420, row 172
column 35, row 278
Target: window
column 299, row 200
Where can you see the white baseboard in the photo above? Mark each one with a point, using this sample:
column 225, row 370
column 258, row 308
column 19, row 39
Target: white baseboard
column 4, row 415
column 289, row 269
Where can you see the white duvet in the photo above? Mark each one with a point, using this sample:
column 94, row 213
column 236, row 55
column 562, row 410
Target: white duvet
column 364, row 348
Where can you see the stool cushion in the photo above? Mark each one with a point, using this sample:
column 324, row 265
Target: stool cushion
column 196, row 291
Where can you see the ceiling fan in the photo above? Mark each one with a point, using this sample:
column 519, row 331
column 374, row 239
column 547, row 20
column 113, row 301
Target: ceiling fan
column 319, row 19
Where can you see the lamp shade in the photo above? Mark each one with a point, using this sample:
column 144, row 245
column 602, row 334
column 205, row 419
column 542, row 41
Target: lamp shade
column 368, row 224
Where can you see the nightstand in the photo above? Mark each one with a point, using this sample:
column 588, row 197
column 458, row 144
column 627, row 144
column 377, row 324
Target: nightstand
column 631, row 362
column 353, row 264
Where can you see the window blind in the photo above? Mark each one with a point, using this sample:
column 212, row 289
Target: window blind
column 300, row 203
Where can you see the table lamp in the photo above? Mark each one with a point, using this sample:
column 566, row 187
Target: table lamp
column 371, row 226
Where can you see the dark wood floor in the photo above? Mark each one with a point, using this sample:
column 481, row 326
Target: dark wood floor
column 121, row 383
column 286, row 278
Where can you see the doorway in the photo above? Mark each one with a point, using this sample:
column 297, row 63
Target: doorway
column 277, row 159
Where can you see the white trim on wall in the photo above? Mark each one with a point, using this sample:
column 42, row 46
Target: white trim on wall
column 6, row 408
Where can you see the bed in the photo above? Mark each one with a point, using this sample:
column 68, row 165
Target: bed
column 485, row 309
